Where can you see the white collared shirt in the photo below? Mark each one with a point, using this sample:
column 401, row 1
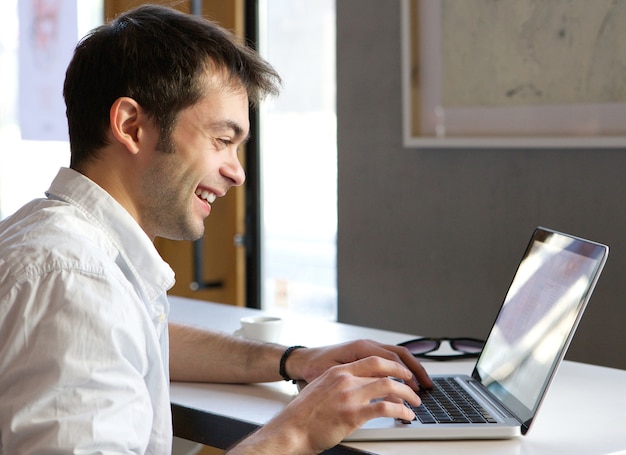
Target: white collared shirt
column 83, row 327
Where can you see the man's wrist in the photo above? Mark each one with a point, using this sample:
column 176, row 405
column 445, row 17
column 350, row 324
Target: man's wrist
column 282, row 370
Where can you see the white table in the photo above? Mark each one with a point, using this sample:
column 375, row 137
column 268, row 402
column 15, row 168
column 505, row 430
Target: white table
column 219, row 414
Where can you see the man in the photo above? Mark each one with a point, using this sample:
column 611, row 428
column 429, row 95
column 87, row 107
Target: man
column 157, row 105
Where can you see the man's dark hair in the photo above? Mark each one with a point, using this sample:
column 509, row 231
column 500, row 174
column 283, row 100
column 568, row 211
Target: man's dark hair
column 157, row 56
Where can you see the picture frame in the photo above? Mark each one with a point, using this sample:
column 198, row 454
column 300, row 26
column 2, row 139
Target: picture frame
column 542, row 74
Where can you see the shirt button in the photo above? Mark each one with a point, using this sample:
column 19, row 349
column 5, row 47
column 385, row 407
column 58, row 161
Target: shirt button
column 162, row 318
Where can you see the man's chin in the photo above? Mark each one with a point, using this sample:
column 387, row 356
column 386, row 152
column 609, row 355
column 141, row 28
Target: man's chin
column 193, row 236
column 187, row 234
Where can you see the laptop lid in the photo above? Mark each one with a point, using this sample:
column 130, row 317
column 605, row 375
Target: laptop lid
column 537, row 320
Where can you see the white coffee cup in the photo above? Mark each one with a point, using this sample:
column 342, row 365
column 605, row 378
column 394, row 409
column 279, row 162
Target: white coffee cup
column 261, row 328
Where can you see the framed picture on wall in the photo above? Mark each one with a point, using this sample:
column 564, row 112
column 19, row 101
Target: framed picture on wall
column 514, row 73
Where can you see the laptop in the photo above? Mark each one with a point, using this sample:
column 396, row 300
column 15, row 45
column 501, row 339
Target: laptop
column 521, row 355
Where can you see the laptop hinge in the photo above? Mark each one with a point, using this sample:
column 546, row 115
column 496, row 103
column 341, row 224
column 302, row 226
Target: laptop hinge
column 503, row 412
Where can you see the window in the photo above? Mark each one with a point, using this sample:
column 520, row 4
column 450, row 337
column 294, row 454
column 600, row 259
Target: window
column 27, row 166
column 299, row 159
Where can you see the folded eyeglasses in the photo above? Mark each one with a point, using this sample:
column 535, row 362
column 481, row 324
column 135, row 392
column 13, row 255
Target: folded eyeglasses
column 464, row 348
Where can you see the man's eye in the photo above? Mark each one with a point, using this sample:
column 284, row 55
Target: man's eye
column 223, row 142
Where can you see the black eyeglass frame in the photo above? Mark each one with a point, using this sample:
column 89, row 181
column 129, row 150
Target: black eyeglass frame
column 454, row 342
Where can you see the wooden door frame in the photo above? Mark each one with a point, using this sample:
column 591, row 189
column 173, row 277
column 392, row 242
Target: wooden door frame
column 253, row 185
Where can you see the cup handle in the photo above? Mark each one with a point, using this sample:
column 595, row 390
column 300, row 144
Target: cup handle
column 238, row 333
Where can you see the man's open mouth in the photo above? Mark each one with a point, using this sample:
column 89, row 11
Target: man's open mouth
column 206, row 195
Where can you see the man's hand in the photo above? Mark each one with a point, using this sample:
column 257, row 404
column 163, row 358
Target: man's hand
column 336, row 403
column 308, row 364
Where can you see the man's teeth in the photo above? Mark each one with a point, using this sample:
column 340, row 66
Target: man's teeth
column 206, row 195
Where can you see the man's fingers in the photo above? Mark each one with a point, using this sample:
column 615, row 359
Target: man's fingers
column 386, row 397
column 387, row 380
column 421, row 376
column 400, row 354
column 380, row 367
column 392, row 409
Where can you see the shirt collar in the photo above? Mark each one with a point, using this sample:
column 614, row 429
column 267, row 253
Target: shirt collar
column 153, row 274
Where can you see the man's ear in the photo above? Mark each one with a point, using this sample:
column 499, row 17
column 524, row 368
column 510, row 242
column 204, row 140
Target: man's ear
column 126, row 119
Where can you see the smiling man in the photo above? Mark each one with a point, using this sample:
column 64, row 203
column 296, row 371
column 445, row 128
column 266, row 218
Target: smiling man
column 157, row 106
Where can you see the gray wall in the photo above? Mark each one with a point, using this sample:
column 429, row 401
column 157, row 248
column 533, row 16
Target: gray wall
column 428, row 240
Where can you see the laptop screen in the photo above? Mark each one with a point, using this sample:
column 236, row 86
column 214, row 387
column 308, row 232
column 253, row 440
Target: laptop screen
column 537, row 320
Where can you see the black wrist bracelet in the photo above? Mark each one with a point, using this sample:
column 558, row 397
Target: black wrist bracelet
column 283, row 360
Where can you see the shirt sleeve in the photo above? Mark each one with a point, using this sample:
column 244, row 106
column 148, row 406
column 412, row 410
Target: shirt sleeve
column 74, row 364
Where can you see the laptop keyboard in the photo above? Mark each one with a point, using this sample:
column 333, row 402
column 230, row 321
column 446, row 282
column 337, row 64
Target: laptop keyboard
column 448, row 402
